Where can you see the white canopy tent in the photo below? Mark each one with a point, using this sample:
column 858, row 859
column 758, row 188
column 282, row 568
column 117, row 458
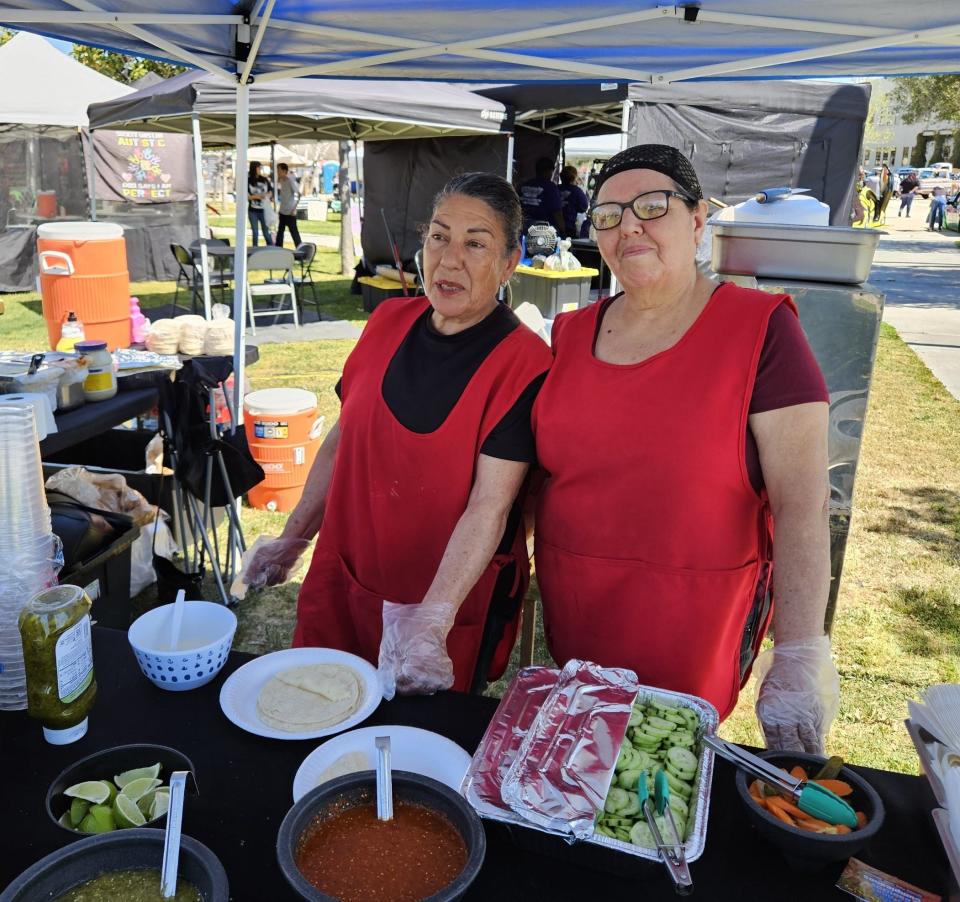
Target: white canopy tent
column 44, row 87
column 487, row 41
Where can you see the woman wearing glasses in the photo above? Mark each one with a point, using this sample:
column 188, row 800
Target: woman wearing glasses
column 680, row 424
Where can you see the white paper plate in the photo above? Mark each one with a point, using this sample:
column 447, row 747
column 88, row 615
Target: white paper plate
column 412, row 749
column 238, row 696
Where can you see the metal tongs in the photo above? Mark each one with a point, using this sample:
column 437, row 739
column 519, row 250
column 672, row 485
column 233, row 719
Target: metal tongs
column 673, row 853
column 808, row 796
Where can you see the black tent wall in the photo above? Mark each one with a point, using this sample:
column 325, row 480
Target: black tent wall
column 402, row 177
column 744, row 136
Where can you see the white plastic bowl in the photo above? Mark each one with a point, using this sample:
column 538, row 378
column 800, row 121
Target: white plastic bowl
column 205, row 639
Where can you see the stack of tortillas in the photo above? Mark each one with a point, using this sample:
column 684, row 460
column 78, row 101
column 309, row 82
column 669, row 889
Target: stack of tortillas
column 311, row 697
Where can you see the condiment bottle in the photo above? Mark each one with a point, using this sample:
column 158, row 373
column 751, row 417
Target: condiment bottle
column 138, row 323
column 70, row 333
column 58, row 660
column 101, row 381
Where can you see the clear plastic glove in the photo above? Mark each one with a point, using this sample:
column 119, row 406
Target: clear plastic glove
column 798, row 692
column 413, row 650
column 267, row 562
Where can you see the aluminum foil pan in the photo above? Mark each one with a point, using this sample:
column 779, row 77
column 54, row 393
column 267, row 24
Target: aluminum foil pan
column 561, row 773
column 498, row 749
column 696, row 838
column 501, row 743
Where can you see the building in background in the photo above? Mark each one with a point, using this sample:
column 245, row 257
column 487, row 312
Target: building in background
column 888, row 139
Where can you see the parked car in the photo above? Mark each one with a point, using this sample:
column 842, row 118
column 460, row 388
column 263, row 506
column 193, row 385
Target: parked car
column 934, row 178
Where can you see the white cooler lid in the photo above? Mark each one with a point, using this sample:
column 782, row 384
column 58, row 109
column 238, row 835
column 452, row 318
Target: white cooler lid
column 80, row 231
column 279, row 400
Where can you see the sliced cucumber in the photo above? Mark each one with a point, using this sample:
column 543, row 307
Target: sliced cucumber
column 641, row 835
column 617, row 799
column 682, row 760
column 661, row 724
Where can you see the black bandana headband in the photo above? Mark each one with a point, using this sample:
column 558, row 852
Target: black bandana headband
column 659, row 158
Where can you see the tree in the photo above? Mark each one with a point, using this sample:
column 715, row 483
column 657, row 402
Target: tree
column 928, row 97
column 120, row 66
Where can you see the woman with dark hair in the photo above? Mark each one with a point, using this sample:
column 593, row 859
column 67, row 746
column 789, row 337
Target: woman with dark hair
column 421, row 562
column 259, row 194
column 683, row 432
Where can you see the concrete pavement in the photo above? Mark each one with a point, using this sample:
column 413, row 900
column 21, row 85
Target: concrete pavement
column 919, row 271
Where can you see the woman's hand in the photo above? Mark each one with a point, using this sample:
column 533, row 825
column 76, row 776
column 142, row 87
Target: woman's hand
column 413, row 651
column 798, row 683
column 798, row 692
column 268, row 562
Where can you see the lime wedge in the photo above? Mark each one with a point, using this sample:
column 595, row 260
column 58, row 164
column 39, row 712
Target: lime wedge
column 78, row 811
column 135, row 789
column 66, row 822
column 127, row 813
column 145, row 802
column 99, row 820
column 138, row 773
column 96, row 791
column 161, row 804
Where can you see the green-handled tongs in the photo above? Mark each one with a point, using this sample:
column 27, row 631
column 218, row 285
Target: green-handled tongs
column 672, row 853
column 808, row 796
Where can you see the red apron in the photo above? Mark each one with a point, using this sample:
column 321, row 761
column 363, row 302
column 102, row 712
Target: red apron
column 652, row 548
column 395, row 497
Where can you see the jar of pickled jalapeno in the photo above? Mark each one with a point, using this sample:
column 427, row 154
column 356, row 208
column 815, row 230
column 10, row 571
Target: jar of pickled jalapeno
column 58, row 660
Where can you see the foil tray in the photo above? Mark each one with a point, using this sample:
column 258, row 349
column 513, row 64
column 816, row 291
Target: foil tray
column 504, row 735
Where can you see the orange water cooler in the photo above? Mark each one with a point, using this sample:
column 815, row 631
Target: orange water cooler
column 83, row 268
column 283, row 432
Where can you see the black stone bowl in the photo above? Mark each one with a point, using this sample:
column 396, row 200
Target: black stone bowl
column 121, row 850
column 105, row 765
column 802, row 849
column 361, row 788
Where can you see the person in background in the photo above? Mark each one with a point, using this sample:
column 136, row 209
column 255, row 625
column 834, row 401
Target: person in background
column 289, row 193
column 908, row 191
column 259, row 193
column 414, row 493
column 693, row 478
column 938, row 209
column 573, row 199
column 540, row 197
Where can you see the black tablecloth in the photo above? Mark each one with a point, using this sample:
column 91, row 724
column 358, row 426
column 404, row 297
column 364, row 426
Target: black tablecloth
column 97, row 417
column 246, row 783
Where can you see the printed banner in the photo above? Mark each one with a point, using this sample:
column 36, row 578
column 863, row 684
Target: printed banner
column 144, row 167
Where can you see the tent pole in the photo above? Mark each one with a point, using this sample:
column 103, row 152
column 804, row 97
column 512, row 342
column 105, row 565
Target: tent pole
column 92, row 176
column 201, row 212
column 273, row 178
column 624, row 137
column 240, row 251
column 508, row 175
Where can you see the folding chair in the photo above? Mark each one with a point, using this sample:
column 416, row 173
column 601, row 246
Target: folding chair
column 187, row 273
column 304, row 255
column 221, row 268
column 271, row 259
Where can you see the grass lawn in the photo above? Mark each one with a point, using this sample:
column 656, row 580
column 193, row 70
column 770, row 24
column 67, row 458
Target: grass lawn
column 897, row 628
column 22, row 327
column 330, row 226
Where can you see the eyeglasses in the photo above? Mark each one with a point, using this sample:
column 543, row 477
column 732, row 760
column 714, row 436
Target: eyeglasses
column 649, row 205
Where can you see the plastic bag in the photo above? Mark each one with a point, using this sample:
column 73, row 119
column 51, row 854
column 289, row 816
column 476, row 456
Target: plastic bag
column 413, row 650
column 561, row 260
column 163, row 337
column 270, row 216
column 142, row 572
column 798, row 693
column 267, row 562
column 106, row 491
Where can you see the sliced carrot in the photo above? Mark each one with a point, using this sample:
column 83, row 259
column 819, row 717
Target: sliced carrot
column 843, row 828
column 808, row 826
column 813, row 822
column 792, row 809
column 861, row 819
column 837, row 787
column 798, row 773
column 773, row 806
column 755, row 791
column 762, row 802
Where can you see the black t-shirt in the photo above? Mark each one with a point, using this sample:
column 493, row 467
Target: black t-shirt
column 430, row 371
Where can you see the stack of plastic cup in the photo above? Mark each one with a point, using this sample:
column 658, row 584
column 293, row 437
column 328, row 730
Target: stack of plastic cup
column 30, row 555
